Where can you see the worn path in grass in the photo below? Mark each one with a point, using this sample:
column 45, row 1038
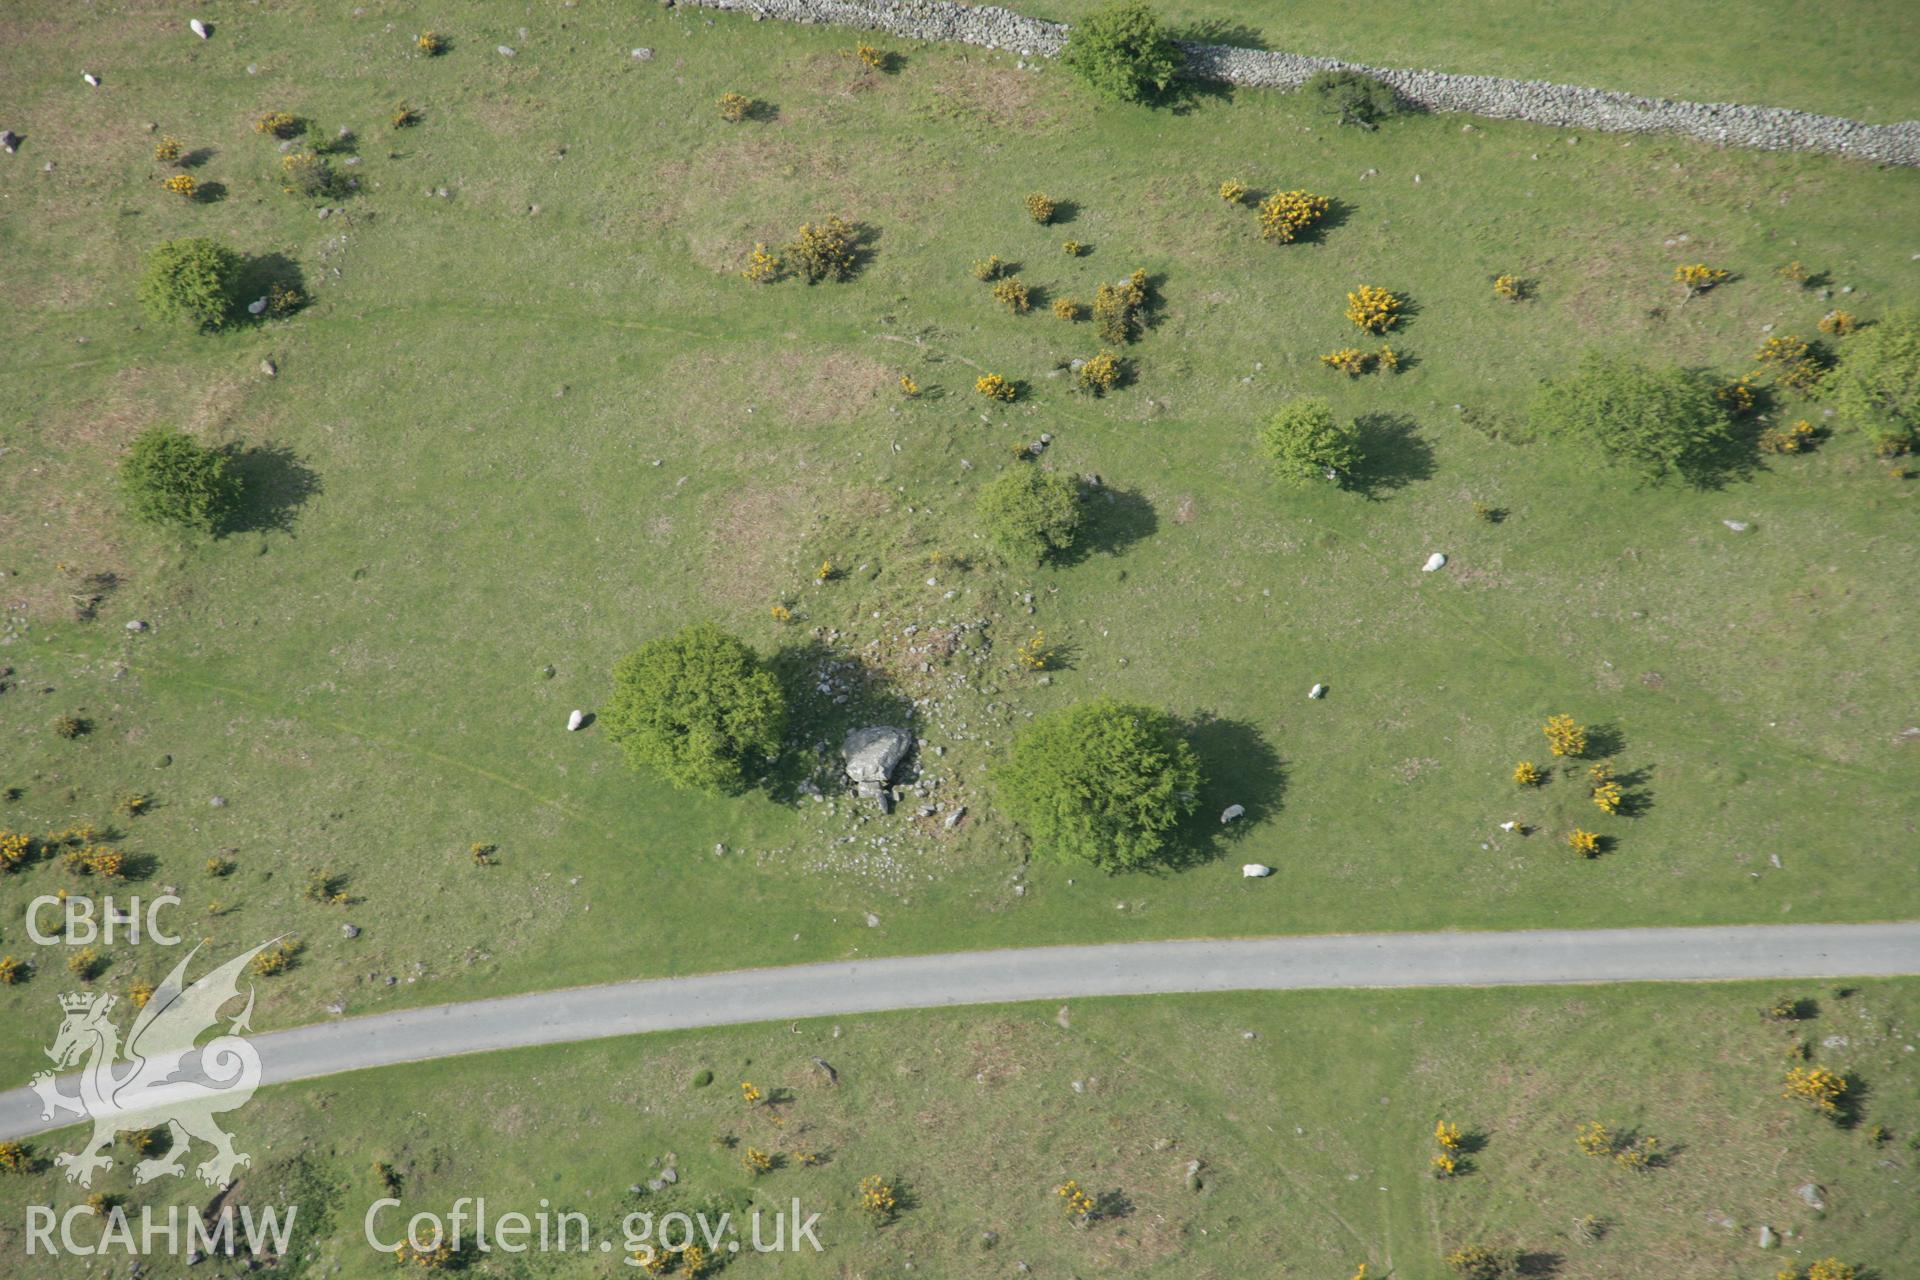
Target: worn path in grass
column 1049, row 973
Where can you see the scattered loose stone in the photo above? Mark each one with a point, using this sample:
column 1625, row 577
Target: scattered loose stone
column 1738, row 526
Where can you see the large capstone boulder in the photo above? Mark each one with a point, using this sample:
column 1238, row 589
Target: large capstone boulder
column 872, row 756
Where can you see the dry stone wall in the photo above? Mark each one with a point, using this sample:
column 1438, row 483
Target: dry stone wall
column 1566, row 106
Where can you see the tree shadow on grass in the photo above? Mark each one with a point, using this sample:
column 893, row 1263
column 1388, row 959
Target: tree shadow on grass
column 856, row 695
column 1115, row 519
column 273, row 485
column 262, row 277
column 1238, row 766
column 1392, row 455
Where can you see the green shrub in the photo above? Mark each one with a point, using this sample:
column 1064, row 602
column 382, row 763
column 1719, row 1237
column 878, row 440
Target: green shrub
column 1358, row 99
column 700, row 707
column 1029, row 513
column 168, row 479
column 1123, row 52
column 1876, row 384
column 1104, row 781
column 1655, row 420
column 1305, row 441
column 195, row 280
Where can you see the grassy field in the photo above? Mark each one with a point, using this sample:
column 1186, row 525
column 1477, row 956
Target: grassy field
column 1311, row 1115
column 1842, row 59
column 541, row 418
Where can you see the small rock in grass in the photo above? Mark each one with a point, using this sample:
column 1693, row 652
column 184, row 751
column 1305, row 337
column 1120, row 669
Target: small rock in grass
column 218, row 802
column 1738, row 526
column 349, row 930
column 505, row 51
column 873, row 921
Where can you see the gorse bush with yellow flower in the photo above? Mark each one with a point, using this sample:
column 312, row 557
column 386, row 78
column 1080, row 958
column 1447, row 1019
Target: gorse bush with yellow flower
column 871, row 56
column 1040, row 208
column 1012, row 293
column 1795, row 438
column 1066, row 308
column 280, row 124
column 1099, row 373
column 762, row 266
column 1820, row 1087
column 1287, row 215
column 1118, row 308
column 1838, row 323
column 1795, row 362
column 1350, row 360
column 734, row 107
column 995, row 387
column 431, row 43
column 877, row 1198
column 1585, row 843
column 1077, row 1203
column 168, row 150
column 16, row 850
column 1696, row 278
column 1526, row 775
column 1565, row 737
column 182, row 185
column 824, row 250
column 1510, row 288
column 1233, row 192
column 988, row 268
column 1373, row 309
column 12, row 972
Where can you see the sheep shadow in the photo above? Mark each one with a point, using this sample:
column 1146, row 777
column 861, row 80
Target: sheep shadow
column 1237, row 35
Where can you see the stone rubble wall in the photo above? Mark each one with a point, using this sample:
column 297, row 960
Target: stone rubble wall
column 1564, row 106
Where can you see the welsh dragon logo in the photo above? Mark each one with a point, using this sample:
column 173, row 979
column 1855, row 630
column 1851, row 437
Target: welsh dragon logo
column 156, row 1087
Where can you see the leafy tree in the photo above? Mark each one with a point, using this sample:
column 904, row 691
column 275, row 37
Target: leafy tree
column 1305, row 442
column 168, row 479
column 195, row 281
column 1876, row 384
column 1030, row 513
column 1123, row 52
column 1357, row 98
column 700, row 707
column 1656, row 420
column 1103, row 781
